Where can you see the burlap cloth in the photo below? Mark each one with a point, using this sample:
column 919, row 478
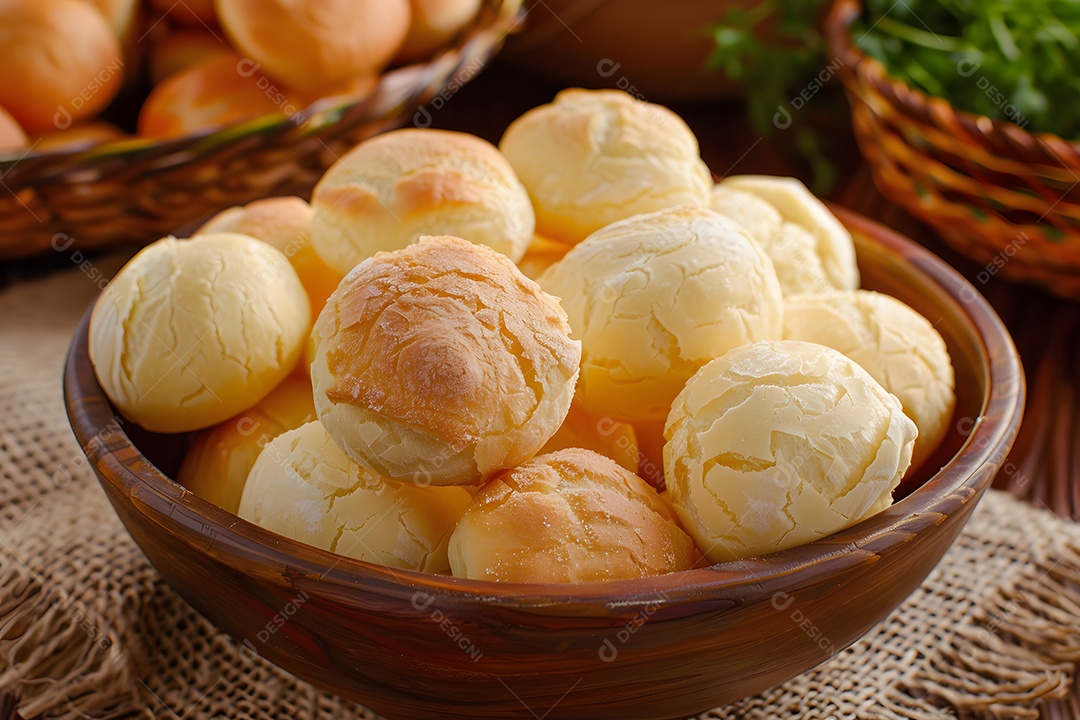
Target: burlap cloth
column 89, row 629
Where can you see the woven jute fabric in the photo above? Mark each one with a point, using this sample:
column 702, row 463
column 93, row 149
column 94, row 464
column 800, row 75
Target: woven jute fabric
column 89, row 629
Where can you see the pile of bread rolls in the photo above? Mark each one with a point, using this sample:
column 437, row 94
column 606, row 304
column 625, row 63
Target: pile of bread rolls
column 210, row 62
column 570, row 358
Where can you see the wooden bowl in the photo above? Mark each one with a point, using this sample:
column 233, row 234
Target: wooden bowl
column 1005, row 197
column 139, row 190
column 411, row 645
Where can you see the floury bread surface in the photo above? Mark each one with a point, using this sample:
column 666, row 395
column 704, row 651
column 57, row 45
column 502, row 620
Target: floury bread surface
column 192, row 332
column 592, row 157
column 570, row 516
column 654, row 297
column 776, row 444
column 896, row 345
column 442, row 363
column 304, row 487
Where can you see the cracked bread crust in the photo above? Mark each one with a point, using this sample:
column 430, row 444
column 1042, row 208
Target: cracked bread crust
column 192, row 332
column 304, row 487
column 776, row 444
column 569, row 516
column 655, row 297
column 442, row 363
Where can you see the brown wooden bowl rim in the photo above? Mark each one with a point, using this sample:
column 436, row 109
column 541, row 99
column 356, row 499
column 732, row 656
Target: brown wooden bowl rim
column 917, row 103
column 484, row 31
column 231, row 539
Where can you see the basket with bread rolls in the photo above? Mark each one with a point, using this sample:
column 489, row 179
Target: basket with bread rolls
column 121, row 120
column 559, row 423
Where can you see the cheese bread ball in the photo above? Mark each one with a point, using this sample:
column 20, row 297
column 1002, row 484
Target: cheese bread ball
column 59, row 62
column 810, row 249
column 222, row 89
column 285, row 223
column 442, row 363
column 396, row 187
column 192, row 332
column 183, row 48
column 777, row 444
column 304, row 487
column 592, row 157
column 88, row 134
column 217, row 465
column 896, row 345
column 606, row 436
column 654, row 297
column 316, row 44
column 571, row 516
column 434, row 22
column 12, row 137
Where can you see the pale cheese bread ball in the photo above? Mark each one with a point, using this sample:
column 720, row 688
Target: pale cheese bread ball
column 442, row 363
column 390, row 190
column 304, row 487
column 606, row 436
column 896, row 345
column 654, row 297
column 284, row 223
column 571, row 516
column 192, row 332
column 811, row 249
column 217, row 465
column 780, row 443
column 434, row 22
column 592, row 157
column 316, row 44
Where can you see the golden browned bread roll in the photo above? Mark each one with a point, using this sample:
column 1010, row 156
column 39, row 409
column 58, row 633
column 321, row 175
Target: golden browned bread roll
column 442, row 363
column 571, row 516
column 221, row 90
column 389, row 190
column 59, row 62
column 12, row 136
column 217, row 465
column 316, row 44
column 95, row 132
column 603, row 435
column 183, row 48
column 284, row 223
column 593, row 157
column 433, row 23
column 304, row 487
column 654, row 297
column 192, row 332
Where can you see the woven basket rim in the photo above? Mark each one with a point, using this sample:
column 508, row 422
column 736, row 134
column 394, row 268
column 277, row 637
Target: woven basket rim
column 916, row 102
column 486, row 19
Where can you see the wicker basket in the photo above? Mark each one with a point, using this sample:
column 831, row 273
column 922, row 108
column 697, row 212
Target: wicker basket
column 136, row 191
column 1005, row 197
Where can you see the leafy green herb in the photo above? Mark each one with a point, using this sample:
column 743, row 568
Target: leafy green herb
column 774, row 51
column 1014, row 60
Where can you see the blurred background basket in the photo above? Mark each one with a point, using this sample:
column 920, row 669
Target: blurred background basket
column 136, row 191
column 1004, row 197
